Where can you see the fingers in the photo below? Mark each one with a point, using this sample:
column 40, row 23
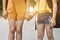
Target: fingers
column 4, row 15
column 28, row 17
column 52, row 24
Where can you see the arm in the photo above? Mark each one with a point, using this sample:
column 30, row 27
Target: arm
column 27, row 9
column 27, row 5
column 53, row 20
column 4, row 4
column 54, row 9
column 4, row 14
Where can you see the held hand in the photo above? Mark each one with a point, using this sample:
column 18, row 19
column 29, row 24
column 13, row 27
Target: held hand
column 53, row 22
column 4, row 14
column 28, row 17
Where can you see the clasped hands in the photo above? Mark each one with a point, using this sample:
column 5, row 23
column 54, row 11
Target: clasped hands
column 28, row 16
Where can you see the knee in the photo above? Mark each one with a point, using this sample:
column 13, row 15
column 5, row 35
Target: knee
column 12, row 29
column 19, row 30
column 50, row 37
column 40, row 36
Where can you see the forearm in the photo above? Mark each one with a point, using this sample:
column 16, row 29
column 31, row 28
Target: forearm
column 4, row 4
column 27, row 5
column 54, row 10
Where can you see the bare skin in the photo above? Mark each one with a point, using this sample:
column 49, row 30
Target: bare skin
column 40, row 30
column 19, row 30
column 49, row 32
column 12, row 28
column 14, row 25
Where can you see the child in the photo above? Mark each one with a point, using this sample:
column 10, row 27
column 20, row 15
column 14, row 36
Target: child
column 15, row 13
column 46, row 17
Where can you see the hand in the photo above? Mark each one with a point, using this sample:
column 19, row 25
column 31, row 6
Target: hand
column 28, row 17
column 53, row 22
column 4, row 14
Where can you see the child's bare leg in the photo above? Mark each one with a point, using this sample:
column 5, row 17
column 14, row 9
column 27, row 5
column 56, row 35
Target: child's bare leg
column 49, row 31
column 40, row 30
column 12, row 26
column 19, row 30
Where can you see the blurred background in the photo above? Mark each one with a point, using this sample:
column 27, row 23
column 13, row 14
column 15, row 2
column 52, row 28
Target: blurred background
column 0, row 7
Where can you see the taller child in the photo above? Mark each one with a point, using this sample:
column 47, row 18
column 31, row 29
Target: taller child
column 15, row 12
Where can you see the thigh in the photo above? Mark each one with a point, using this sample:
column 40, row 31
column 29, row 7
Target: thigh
column 40, row 28
column 12, row 25
column 44, row 18
column 49, row 30
column 19, row 25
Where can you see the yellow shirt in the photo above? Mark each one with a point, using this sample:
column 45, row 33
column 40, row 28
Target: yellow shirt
column 16, row 8
column 18, row 5
column 43, row 7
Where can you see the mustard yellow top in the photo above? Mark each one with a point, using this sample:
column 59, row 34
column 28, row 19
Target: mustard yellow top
column 43, row 7
column 16, row 9
column 18, row 5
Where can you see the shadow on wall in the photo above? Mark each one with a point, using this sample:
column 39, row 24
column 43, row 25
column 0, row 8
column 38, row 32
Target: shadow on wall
column 0, row 7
